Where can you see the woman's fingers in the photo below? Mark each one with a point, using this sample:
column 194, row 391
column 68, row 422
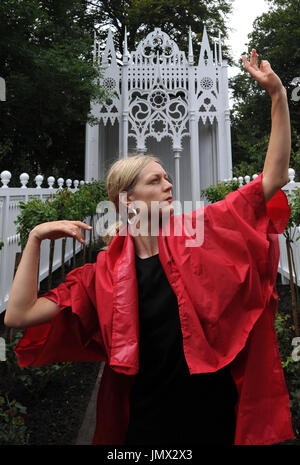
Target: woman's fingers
column 63, row 228
column 254, row 59
column 81, row 224
column 253, row 64
column 76, row 233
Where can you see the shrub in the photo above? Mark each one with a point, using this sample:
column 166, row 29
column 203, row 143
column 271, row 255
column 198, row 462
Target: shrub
column 13, row 430
column 33, row 380
column 33, row 213
column 219, row 191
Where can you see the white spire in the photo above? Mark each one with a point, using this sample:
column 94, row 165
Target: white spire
column 109, row 49
column 191, row 53
column 220, row 49
column 205, row 52
column 125, row 47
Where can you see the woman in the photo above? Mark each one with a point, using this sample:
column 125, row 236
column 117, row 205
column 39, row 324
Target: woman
column 187, row 333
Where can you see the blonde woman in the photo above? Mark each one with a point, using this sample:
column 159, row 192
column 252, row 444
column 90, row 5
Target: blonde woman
column 186, row 332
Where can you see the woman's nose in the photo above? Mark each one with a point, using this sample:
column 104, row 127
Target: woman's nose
column 169, row 185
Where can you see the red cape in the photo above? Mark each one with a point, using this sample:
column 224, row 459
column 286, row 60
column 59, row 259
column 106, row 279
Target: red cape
column 227, row 302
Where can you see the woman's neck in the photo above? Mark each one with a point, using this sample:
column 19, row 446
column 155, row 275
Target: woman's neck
column 145, row 246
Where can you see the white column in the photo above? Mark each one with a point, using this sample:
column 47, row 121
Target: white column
column 224, row 131
column 195, row 162
column 177, row 173
column 193, row 127
column 91, row 152
column 124, row 102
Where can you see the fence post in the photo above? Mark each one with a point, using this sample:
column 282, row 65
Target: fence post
column 4, row 251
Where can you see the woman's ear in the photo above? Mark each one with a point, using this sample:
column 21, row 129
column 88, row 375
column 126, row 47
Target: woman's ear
column 125, row 202
column 125, row 198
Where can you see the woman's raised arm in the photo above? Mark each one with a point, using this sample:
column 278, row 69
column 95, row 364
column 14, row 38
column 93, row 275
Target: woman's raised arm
column 275, row 171
column 24, row 308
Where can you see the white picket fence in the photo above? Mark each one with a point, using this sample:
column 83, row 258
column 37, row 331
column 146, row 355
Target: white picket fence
column 9, row 210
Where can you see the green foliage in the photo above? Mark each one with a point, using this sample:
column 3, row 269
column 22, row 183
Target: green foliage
column 1, row 244
column 13, row 430
column 33, row 213
column 255, row 155
column 15, row 381
column 89, row 195
column 63, row 205
column 66, row 206
column 285, row 332
column 219, row 191
column 46, row 61
column 173, row 16
column 34, row 380
column 81, row 203
column 294, row 202
column 275, row 36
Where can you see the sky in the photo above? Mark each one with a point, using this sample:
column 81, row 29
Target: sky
column 241, row 20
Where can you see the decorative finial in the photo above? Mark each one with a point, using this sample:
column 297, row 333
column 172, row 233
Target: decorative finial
column 191, row 53
column 220, row 49
column 125, row 50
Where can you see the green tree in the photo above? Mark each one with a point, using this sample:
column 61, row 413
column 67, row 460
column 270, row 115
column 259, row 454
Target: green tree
column 276, row 37
column 46, row 60
column 173, row 16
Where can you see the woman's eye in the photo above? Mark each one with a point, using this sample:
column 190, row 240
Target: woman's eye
column 153, row 180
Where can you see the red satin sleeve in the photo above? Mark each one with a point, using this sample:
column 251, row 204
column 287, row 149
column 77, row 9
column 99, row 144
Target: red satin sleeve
column 74, row 333
column 260, row 223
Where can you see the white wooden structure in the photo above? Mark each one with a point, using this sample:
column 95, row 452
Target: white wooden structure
column 167, row 105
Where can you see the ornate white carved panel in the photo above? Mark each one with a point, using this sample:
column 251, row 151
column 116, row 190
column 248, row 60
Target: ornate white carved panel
column 160, row 94
column 157, row 99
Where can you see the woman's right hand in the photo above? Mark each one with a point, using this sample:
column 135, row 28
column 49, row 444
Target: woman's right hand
column 58, row 229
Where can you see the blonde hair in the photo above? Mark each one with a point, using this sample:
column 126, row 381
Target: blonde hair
column 122, row 176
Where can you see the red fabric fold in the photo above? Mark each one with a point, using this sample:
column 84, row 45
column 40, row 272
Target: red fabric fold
column 73, row 335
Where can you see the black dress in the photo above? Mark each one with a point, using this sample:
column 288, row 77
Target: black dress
column 167, row 404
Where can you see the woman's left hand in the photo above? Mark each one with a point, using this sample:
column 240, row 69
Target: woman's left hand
column 264, row 74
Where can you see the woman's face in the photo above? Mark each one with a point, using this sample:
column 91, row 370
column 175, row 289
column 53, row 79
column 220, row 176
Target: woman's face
column 152, row 192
